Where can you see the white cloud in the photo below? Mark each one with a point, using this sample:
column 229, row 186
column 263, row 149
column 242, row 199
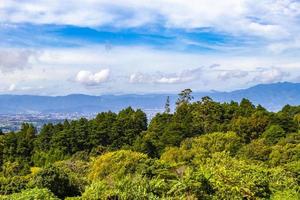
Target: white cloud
column 270, row 24
column 12, row 87
column 229, row 74
column 166, row 78
column 90, row 78
column 139, row 78
column 270, row 75
column 156, row 71
column 267, row 18
column 15, row 88
column 169, row 80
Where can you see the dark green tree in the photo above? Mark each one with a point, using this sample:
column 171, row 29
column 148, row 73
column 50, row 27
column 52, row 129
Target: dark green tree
column 273, row 134
column 167, row 105
column 184, row 97
column 128, row 126
column 57, row 181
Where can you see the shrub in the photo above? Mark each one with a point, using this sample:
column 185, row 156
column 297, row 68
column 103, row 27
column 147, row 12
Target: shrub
column 31, row 194
column 9, row 185
column 256, row 150
column 273, row 134
column 118, row 163
column 128, row 187
column 76, row 170
column 56, row 180
column 235, row 179
column 136, row 187
column 286, row 150
column 286, row 195
column 198, row 149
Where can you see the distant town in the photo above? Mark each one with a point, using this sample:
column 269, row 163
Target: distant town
column 13, row 122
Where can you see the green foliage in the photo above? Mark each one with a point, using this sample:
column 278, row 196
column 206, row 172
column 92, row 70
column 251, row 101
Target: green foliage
column 184, row 97
column 256, row 150
column 124, row 188
column 150, row 141
column 189, row 186
column 217, row 142
column 128, row 126
column 42, row 158
column 56, row 180
column 204, row 150
column 199, row 148
column 285, row 119
column 273, row 134
column 233, row 179
column 15, row 168
column 118, row 163
column 9, row 185
column 286, row 150
column 77, row 172
column 1, row 148
column 101, row 129
column 31, row 194
column 167, row 105
column 42, row 142
column 19, row 146
column 251, row 127
column 286, row 195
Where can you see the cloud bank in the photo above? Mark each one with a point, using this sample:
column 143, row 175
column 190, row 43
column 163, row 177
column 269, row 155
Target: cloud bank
column 148, row 46
column 266, row 18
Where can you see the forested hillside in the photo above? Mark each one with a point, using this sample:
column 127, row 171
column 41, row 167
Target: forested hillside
column 204, row 150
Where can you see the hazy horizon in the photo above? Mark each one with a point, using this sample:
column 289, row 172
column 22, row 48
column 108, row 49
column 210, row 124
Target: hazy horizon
column 151, row 93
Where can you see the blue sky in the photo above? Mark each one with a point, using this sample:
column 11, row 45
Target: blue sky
column 50, row 47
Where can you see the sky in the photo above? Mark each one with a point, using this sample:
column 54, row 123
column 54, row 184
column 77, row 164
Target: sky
column 54, row 47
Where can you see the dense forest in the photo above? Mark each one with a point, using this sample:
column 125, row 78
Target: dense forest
column 202, row 150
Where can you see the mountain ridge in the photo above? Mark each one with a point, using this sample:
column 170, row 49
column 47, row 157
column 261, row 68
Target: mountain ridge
column 272, row 96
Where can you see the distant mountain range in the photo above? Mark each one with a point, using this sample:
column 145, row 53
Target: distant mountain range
column 272, row 96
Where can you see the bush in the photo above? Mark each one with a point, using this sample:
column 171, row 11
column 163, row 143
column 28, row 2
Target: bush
column 31, row 194
column 76, row 170
column 273, row 134
column 235, row 179
column 256, row 150
column 56, row 180
column 128, row 187
column 286, row 195
column 41, row 158
column 9, row 185
column 136, row 187
column 199, row 148
column 119, row 163
column 286, row 150
column 217, row 142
